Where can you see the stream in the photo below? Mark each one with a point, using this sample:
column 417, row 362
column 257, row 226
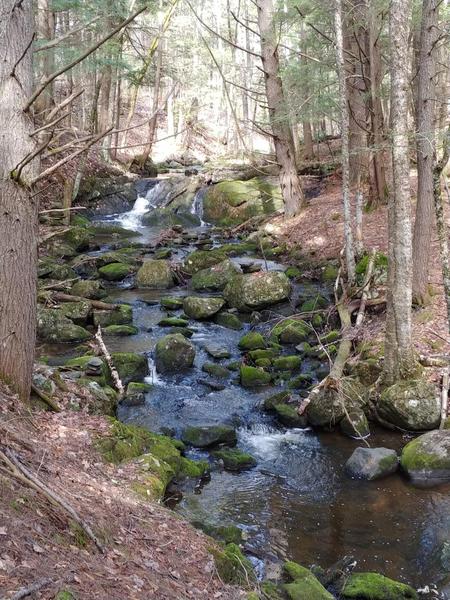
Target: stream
column 297, row 502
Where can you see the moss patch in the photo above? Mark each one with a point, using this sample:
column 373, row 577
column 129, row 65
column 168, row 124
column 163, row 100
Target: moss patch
column 373, row 586
column 232, row 566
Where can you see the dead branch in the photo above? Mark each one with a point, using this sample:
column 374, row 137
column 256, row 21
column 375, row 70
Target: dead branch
column 444, row 398
column 61, row 38
column 61, row 297
column 48, row 401
column 63, row 104
column 52, row 210
column 114, row 374
column 366, row 287
column 31, row 589
column 51, row 124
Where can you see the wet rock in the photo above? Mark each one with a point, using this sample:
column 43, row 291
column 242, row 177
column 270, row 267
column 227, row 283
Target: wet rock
column 291, row 331
column 54, row 326
column 212, row 435
column 115, row 271
column 355, row 424
column 171, row 303
column 288, row 416
column 202, row 308
column 411, row 404
column 371, row 463
column 373, row 586
column 426, row 459
column 173, row 322
column 326, row 409
column 230, row 534
column 253, row 376
column 187, row 332
column 90, row 289
column 155, row 274
column 213, row 385
column 234, row 459
column 174, row 353
column 302, row 381
column 257, row 290
column 78, row 312
column 120, row 330
column 121, row 315
column 216, row 350
column 135, row 394
column 215, row 278
column 130, row 366
column 304, row 585
column 216, row 370
column 274, row 399
column 252, row 341
column 228, row 320
column 287, row 363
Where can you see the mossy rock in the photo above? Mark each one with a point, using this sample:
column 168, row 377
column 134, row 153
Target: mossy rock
column 327, row 408
column 51, row 269
column 330, row 337
column 279, row 398
column 78, row 312
column 184, row 331
column 368, row 371
column 229, row 534
column 216, row 370
column 228, row 320
column 232, row 566
column 272, row 591
column 130, row 366
column 304, row 584
column 316, row 303
column 98, row 372
column 126, row 256
column 171, row 303
column 268, row 353
column 121, row 315
column 202, row 308
column 215, row 278
column 288, row 416
column 302, row 381
column 120, row 330
column 293, row 272
column 371, row 463
column 173, row 322
column 54, row 326
column 105, row 398
column 287, row 363
column 426, row 459
column 254, row 291
column 115, row 271
column 91, row 289
column 203, row 259
column 254, row 377
column 234, row 459
column 135, row 394
column 155, row 274
column 209, row 435
column 69, row 242
column 373, row 586
column 252, row 341
column 65, row 595
column 412, row 404
column 354, row 423
column 329, row 273
column 291, row 331
column 174, row 353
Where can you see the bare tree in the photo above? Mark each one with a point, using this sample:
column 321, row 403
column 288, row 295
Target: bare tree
column 19, row 210
column 398, row 353
column 291, row 188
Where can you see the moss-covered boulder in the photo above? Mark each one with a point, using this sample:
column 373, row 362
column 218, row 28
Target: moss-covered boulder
column 373, row 586
column 291, row 331
column 232, row 566
column 371, row 463
column 54, row 326
column 411, row 404
column 234, row 459
column 130, row 366
column 254, row 291
column 228, row 320
column 104, row 398
column 202, row 308
column 115, row 271
column 51, row 269
column 203, row 259
column 209, row 435
column 78, row 312
column 288, row 416
column 252, row 341
column 171, row 303
column 69, row 242
column 303, row 584
column 233, row 202
column 121, row 315
column 329, row 406
column 173, row 322
column 215, row 278
column 254, row 376
column 287, row 363
column 354, row 423
column 368, row 371
column 89, row 288
column 216, row 370
column 155, row 274
column 426, row 459
column 174, row 353
column 120, row 330
column 135, row 394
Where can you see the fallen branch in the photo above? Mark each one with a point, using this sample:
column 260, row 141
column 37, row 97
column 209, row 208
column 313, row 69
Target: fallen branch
column 51, row 403
column 444, row 398
column 30, row 589
column 61, row 297
column 114, row 374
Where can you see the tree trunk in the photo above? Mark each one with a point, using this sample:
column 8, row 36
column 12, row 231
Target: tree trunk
column 19, row 210
column 153, row 123
column 45, row 21
column 399, row 357
column 348, row 233
column 425, row 143
column 308, row 140
column 278, row 114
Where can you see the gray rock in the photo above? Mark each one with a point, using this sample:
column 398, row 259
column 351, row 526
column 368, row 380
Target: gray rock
column 257, row 290
column 426, row 459
column 371, row 463
column 216, row 350
column 411, row 404
column 174, row 353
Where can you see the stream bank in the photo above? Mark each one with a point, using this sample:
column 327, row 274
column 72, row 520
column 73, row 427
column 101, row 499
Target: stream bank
column 297, row 501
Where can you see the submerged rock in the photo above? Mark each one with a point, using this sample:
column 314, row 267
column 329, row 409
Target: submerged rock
column 173, row 353
column 373, row 586
column 234, row 459
column 215, row 278
column 372, row 463
column 155, row 274
column 217, row 350
column 209, row 435
column 411, row 404
column 426, row 459
column 304, row 585
column 202, row 308
column 257, row 290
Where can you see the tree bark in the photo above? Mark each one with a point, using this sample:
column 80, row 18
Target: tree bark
column 19, row 210
column 426, row 149
column 399, row 360
column 291, row 188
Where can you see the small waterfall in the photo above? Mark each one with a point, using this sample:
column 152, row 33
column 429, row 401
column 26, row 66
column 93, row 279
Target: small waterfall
column 132, row 219
column 197, row 205
column 153, row 378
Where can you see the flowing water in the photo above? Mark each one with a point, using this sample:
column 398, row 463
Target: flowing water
column 297, row 502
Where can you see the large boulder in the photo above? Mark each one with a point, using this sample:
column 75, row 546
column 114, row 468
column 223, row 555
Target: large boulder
column 371, row 463
column 411, row 404
column 121, row 315
column 203, row 259
column 209, row 435
column 69, row 242
column 155, row 274
column 215, row 278
column 116, row 271
column 130, row 366
column 327, row 408
column 91, row 289
column 257, row 290
column 426, row 459
column 174, row 353
column 373, row 586
column 54, row 326
column 78, row 312
column 202, row 308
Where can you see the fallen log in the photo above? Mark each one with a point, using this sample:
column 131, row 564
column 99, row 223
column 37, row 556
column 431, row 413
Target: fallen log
column 61, row 297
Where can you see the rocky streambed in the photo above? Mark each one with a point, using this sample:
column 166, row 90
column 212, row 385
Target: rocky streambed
column 217, row 342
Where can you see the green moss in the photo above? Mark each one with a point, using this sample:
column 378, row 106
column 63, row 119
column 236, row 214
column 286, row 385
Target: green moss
column 234, row 459
column 300, row 382
column 216, row 370
column 275, row 399
column 202, row 259
column 228, row 320
column 287, row 363
column 381, row 263
column 121, row 315
column 373, row 586
column 288, row 416
column 330, row 273
column 263, row 363
column 330, row 337
column 115, row 271
column 229, row 534
column 253, row 376
column 305, row 585
column 252, row 341
column 171, row 303
column 173, row 322
column 130, row 366
column 192, row 468
column 293, row 272
column 120, row 330
column 233, row 567
column 312, row 304
column 271, row 591
column 291, row 331
column 65, row 595
column 266, row 353
column 212, row 435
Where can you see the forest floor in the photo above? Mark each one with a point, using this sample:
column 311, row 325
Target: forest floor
column 150, row 551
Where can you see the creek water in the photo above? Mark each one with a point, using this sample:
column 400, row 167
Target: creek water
column 297, row 502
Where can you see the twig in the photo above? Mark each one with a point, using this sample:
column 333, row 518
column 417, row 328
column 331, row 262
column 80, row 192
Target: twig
column 30, row 589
